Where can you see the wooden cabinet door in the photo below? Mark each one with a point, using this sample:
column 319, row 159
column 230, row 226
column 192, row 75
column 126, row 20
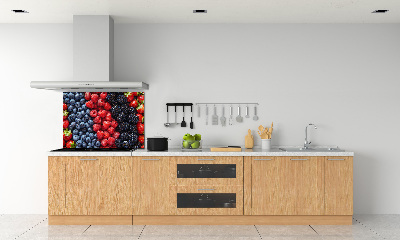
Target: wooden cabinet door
column 153, row 186
column 98, row 185
column 287, row 186
column 338, row 185
column 56, row 185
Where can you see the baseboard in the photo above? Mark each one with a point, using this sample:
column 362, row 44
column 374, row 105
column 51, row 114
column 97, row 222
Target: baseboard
column 90, row 220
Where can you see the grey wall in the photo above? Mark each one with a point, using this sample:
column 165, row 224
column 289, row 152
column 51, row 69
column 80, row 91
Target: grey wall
column 341, row 77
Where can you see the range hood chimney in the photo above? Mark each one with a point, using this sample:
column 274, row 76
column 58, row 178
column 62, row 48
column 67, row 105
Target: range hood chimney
column 93, row 45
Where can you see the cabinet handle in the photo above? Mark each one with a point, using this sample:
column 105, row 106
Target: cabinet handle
column 206, row 159
column 89, row 159
column 205, row 189
column 299, row 159
column 262, row 159
column 336, row 159
column 151, row 159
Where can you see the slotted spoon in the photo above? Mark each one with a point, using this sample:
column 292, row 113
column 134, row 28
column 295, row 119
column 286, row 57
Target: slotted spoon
column 223, row 119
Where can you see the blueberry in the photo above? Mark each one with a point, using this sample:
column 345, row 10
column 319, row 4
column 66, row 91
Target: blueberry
column 72, row 102
column 84, row 108
column 83, row 137
column 98, row 144
column 82, row 124
column 66, row 100
column 75, row 132
column 78, row 104
column 91, row 135
column 65, row 95
column 90, row 122
column 90, row 130
column 89, row 145
column 80, row 133
column 84, row 130
column 83, row 113
column 72, row 125
column 70, row 108
column 86, row 117
column 74, row 110
column 87, row 111
column 82, row 101
column 77, row 96
column 71, row 95
column 88, row 140
column 75, row 137
column 84, row 145
column 94, row 141
column 79, row 109
column 79, row 143
column 78, row 127
column 87, row 125
column 79, row 115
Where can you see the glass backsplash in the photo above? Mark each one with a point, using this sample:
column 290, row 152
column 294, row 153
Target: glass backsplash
column 103, row 120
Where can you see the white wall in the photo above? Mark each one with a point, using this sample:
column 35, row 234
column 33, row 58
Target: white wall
column 343, row 78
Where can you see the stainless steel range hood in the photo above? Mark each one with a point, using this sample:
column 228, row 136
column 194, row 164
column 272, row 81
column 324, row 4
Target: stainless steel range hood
column 93, row 44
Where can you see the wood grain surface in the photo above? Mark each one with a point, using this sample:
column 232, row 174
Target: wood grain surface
column 56, row 185
column 338, row 185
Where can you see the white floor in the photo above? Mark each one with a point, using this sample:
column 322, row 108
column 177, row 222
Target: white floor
column 365, row 227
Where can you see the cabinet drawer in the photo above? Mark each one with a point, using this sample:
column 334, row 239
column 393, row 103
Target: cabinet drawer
column 206, row 200
column 189, row 171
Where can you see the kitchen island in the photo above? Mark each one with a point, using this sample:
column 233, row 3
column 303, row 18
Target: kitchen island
column 175, row 187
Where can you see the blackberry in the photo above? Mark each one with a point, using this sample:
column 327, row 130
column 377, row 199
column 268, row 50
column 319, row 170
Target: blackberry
column 132, row 110
column 125, row 144
column 133, row 119
column 124, row 136
column 121, row 117
column 121, row 99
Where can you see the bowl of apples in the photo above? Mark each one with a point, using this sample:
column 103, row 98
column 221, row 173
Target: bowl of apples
column 191, row 142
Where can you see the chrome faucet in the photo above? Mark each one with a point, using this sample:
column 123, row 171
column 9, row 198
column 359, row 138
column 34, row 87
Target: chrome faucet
column 306, row 142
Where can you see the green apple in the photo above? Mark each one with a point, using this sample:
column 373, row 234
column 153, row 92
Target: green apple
column 186, row 144
column 197, row 137
column 190, row 138
column 186, row 136
column 196, row 144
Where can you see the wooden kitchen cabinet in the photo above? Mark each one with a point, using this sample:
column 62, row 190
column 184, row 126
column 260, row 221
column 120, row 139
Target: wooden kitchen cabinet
column 338, row 185
column 287, row 186
column 151, row 186
column 92, row 186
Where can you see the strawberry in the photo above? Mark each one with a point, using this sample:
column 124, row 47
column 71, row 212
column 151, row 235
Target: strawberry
column 114, row 124
column 65, row 124
column 94, row 97
column 102, row 113
column 104, row 128
column 90, row 104
column 96, row 127
column 65, row 106
column 64, row 143
column 111, row 141
column 65, row 114
column 140, row 116
column 70, row 144
column 101, row 102
column 106, row 135
column 129, row 96
column 106, row 124
column 97, row 119
column 111, row 130
column 109, row 117
column 135, row 94
column 141, row 139
column 140, row 128
column 142, row 146
column 141, row 98
column 140, row 109
column 116, row 135
column 107, row 106
column 134, row 103
column 100, row 135
column 103, row 95
column 104, row 142
column 67, row 135
column 87, row 95
column 93, row 113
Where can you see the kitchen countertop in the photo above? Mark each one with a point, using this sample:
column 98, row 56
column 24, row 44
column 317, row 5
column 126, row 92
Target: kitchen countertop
column 205, row 152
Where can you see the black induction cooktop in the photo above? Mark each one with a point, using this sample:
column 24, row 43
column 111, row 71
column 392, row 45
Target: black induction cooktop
column 93, row 150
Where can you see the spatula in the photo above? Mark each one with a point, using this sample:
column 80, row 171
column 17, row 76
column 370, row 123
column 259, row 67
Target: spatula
column 223, row 119
column 191, row 118
column 206, row 115
column 214, row 118
column 183, row 123
column 255, row 118
column 230, row 116
column 239, row 118
column 247, row 112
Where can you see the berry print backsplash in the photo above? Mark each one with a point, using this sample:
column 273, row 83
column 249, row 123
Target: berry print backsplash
column 103, row 120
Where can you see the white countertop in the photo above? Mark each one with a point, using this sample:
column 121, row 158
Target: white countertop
column 205, row 152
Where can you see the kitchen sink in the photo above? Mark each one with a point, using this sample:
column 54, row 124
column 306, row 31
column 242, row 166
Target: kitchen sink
column 315, row 149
